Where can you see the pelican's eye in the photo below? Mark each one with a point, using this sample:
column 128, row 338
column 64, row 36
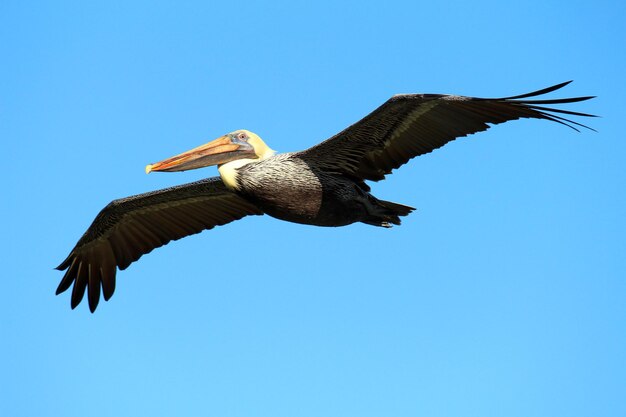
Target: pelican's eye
column 242, row 136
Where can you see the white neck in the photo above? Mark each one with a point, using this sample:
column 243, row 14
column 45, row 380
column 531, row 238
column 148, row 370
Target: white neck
column 228, row 171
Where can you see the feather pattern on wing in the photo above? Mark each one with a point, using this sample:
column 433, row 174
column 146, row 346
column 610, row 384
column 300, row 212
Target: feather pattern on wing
column 130, row 227
column 409, row 125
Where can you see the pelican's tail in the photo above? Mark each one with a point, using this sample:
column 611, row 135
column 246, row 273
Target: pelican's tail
column 387, row 213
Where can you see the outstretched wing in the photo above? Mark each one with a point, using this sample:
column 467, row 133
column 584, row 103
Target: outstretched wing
column 409, row 125
column 130, row 227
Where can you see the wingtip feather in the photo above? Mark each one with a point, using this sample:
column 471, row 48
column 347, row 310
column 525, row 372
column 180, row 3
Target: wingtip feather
column 539, row 92
column 65, row 264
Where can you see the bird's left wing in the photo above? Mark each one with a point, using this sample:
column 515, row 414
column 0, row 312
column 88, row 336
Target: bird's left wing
column 130, row 227
column 409, row 125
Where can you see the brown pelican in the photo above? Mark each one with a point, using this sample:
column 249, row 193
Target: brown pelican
column 323, row 185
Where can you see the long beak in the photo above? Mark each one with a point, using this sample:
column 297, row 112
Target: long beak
column 218, row 151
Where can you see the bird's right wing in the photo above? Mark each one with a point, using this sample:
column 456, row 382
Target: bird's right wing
column 409, row 125
column 130, row 227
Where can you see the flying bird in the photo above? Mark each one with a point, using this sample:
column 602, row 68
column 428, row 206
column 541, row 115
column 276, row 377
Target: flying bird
column 324, row 185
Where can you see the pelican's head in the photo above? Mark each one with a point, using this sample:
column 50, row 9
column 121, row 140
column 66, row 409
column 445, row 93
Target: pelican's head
column 240, row 144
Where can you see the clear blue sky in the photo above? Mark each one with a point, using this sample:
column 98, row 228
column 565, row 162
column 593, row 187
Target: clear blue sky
column 504, row 294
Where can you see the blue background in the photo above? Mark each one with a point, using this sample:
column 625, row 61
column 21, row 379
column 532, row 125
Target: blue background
column 503, row 295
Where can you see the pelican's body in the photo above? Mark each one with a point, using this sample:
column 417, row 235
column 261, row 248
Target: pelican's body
column 323, row 185
column 284, row 186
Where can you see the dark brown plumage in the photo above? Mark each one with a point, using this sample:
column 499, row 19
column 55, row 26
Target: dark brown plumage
column 409, row 125
column 130, row 227
column 323, row 185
